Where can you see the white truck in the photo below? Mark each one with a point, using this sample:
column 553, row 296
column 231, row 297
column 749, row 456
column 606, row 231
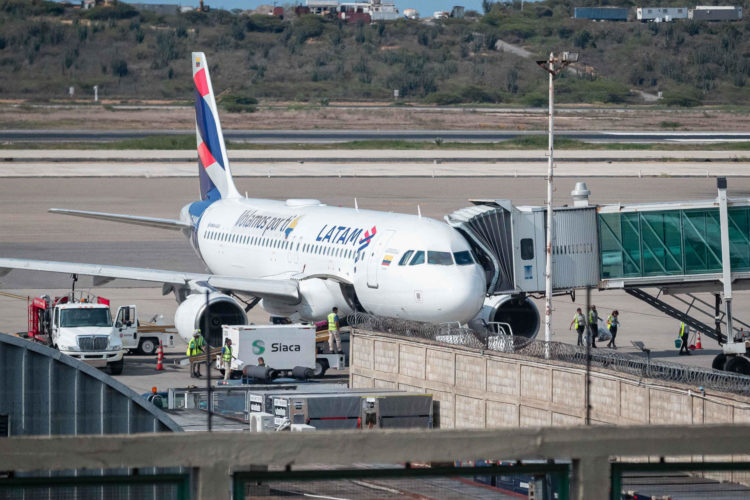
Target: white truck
column 137, row 337
column 82, row 328
column 84, row 331
column 282, row 347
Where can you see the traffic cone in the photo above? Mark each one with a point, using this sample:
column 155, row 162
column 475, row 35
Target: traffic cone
column 698, row 344
column 160, row 358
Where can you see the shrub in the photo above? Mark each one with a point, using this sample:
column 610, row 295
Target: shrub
column 238, row 103
column 687, row 98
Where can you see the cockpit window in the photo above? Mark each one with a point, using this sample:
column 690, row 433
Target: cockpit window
column 418, row 258
column 405, row 258
column 463, row 258
column 439, row 258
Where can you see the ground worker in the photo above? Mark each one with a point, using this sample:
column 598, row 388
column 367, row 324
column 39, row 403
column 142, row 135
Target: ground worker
column 613, row 322
column 593, row 325
column 333, row 330
column 226, row 358
column 684, row 334
column 196, row 346
column 261, row 361
column 579, row 321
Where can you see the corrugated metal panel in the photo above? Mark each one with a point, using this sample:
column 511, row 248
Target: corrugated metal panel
column 604, row 13
column 575, row 253
column 44, row 392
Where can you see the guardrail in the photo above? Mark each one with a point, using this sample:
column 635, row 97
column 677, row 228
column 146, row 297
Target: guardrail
column 216, row 456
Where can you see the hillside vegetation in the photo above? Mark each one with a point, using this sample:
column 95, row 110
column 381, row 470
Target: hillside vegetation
column 44, row 49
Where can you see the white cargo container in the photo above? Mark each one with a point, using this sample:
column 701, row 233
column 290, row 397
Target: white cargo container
column 282, row 347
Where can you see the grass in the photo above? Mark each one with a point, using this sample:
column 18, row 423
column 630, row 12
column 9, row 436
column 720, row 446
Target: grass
column 187, row 142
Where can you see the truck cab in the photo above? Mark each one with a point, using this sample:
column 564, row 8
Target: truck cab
column 135, row 337
column 84, row 331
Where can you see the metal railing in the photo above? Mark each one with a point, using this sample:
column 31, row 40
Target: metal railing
column 600, row 358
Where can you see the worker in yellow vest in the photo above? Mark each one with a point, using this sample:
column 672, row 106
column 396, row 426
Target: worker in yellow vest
column 333, row 330
column 684, row 334
column 226, row 359
column 196, row 346
column 579, row 321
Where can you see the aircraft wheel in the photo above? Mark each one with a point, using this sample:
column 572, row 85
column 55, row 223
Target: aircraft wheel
column 739, row 364
column 719, row 362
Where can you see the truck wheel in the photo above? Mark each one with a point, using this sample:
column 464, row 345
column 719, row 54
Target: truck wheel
column 719, row 362
column 321, row 366
column 115, row 368
column 147, row 346
column 739, row 364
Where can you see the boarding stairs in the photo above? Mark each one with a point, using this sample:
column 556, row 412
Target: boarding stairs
column 696, row 306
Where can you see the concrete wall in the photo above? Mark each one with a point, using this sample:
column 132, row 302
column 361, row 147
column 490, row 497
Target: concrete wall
column 490, row 390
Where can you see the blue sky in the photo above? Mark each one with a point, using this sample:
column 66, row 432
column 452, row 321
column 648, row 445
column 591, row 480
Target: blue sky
column 425, row 7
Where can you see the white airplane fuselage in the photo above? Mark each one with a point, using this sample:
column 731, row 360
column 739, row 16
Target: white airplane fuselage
column 332, row 251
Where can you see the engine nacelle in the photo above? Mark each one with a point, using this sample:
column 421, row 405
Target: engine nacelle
column 222, row 310
column 326, row 294
column 519, row 312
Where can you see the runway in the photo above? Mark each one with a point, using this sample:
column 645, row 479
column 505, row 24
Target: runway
column 29, row 231
column 379, row 163
column 333, row 136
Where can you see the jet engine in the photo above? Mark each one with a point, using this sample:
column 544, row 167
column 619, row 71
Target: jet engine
column 519, row 312
column 222, row 310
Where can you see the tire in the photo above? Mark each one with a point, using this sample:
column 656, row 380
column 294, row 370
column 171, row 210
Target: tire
column 115, row 368
column 719, row 362
column 321, row 366
column 147, row 346
column 738, row 364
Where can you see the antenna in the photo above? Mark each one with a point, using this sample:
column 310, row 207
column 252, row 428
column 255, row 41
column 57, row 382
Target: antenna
column 419, row 211
column 356, row 206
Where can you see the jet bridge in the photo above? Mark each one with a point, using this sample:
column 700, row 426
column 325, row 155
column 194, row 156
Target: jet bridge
column 510, row 243
column 674, row 247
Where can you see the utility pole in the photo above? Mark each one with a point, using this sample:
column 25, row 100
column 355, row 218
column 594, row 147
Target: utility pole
column 554, row 65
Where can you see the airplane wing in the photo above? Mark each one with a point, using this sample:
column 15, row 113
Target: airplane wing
column 172, row 224
column 264, row 288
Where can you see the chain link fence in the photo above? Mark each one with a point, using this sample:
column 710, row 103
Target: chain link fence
column 639, row 366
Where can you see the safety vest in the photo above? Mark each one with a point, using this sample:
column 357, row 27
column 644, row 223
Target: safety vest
column 610, row 322
column 682, row 329
column 226, row 353
column 192, row 349
column 577, row 318
column 332, row 322
column 592, row 317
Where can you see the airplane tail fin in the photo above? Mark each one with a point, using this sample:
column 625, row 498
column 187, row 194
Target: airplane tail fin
column 213, row 163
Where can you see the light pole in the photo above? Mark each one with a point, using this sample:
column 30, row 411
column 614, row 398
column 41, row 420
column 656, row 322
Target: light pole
column 553, row 66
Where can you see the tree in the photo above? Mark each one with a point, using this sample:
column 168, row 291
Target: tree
column 119, row 67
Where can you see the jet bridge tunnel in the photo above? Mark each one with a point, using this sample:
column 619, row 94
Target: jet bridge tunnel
column 674, row 247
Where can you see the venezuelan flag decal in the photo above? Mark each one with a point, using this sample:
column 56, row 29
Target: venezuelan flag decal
column 387, row 260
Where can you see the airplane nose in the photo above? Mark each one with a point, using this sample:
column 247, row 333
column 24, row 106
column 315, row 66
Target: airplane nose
column 463, row 299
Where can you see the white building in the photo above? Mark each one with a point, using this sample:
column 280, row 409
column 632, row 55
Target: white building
column 661, row 14
column 379, row 10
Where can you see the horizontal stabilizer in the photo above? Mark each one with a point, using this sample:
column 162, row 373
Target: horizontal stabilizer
column 171, row 224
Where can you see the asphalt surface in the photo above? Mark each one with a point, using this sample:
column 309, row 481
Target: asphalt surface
column 29, row 231
column 328, row 136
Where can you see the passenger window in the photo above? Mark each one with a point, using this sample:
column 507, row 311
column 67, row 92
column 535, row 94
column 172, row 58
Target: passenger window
column 418, row 258
column 405, row 258
column 527, row 249
column 463, row 258
column 439, row 258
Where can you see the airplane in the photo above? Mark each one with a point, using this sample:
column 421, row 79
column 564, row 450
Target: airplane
column 298, row 258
